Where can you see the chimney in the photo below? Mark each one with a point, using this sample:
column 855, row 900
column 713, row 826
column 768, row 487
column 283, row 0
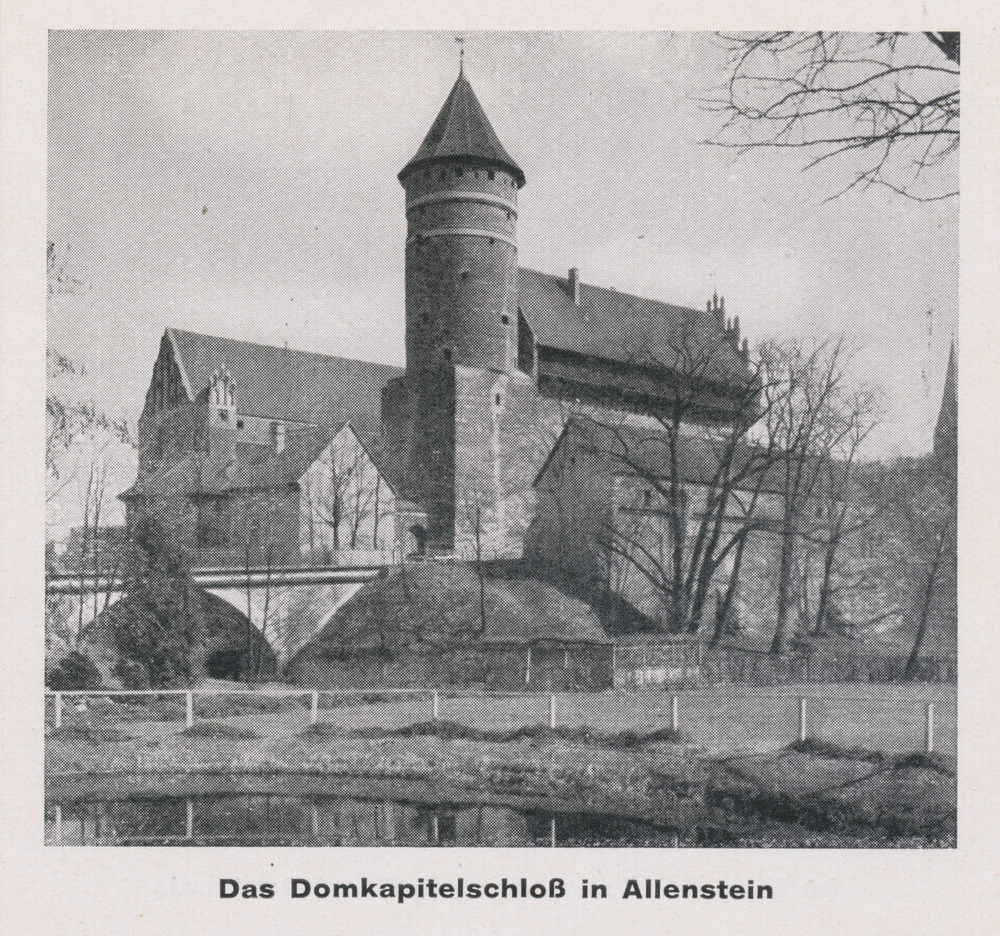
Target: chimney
column 278, row 436
column 574, row 285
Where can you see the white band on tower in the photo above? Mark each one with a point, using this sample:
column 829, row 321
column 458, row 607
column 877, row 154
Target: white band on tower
column 472, row 232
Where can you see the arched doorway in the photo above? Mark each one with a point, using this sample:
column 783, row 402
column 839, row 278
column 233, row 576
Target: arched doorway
column 417, row 547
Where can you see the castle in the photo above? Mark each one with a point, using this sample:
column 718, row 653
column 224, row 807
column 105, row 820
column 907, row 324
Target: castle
column 282, row 454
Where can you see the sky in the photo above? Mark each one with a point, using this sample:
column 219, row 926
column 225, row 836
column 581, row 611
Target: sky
column 244, row 184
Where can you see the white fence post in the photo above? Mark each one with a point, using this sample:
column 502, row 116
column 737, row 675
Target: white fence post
column 314, row 713
column 929, row 729
column 436, row 705
column 675, row 715
column 803, row 718
column 58, row 719
column 189, row 713
column 552, row 710
column 189, row 825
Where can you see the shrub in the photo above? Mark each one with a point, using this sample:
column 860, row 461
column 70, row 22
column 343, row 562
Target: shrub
column 74, row 671
column 132, row 674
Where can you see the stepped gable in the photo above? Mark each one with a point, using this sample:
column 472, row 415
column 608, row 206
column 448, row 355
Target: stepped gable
column 287, row 384
column 624, row 328
column 462, row 131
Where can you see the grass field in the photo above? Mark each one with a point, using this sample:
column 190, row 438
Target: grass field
column 722, row 721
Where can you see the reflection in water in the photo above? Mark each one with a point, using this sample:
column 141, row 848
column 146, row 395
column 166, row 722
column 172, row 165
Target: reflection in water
column 321, row 820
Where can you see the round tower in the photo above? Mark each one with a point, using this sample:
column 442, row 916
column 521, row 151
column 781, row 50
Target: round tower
column 461, row 246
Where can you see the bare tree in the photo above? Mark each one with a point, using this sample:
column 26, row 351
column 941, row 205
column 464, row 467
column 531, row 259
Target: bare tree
column 927, row 510
column 343, row 498
column 61, row 279
column 473, row 507
column 886, row 104
column 77, row 433
column 685, row 505
column 804, row 427
column 843, row 509
column 87, row 456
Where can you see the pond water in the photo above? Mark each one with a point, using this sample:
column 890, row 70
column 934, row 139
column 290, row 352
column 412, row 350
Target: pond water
column 263, row 819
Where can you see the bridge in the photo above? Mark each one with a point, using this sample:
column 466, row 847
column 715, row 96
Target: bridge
column 289, row 605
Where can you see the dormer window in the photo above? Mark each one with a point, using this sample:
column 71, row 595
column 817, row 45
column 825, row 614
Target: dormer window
column 447, row 354
column 505, row 319
column 490, row 175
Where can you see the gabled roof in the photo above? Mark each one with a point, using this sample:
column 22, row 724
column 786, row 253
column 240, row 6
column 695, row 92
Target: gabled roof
column 463, row 131
column 287, row 384
column 626, row 328
column 248, row 466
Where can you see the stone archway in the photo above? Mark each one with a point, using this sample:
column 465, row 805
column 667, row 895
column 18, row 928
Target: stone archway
column 417, row 545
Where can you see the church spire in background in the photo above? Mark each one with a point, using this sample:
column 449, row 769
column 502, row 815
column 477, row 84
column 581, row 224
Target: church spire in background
column 946, row 431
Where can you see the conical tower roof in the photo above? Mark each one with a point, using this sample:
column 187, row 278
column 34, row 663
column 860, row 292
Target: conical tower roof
column 463, row 131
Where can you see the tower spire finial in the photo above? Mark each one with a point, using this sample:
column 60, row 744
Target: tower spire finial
column 461, row 54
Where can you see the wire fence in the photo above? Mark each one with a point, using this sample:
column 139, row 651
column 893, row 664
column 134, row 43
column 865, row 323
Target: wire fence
column 714, row 721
